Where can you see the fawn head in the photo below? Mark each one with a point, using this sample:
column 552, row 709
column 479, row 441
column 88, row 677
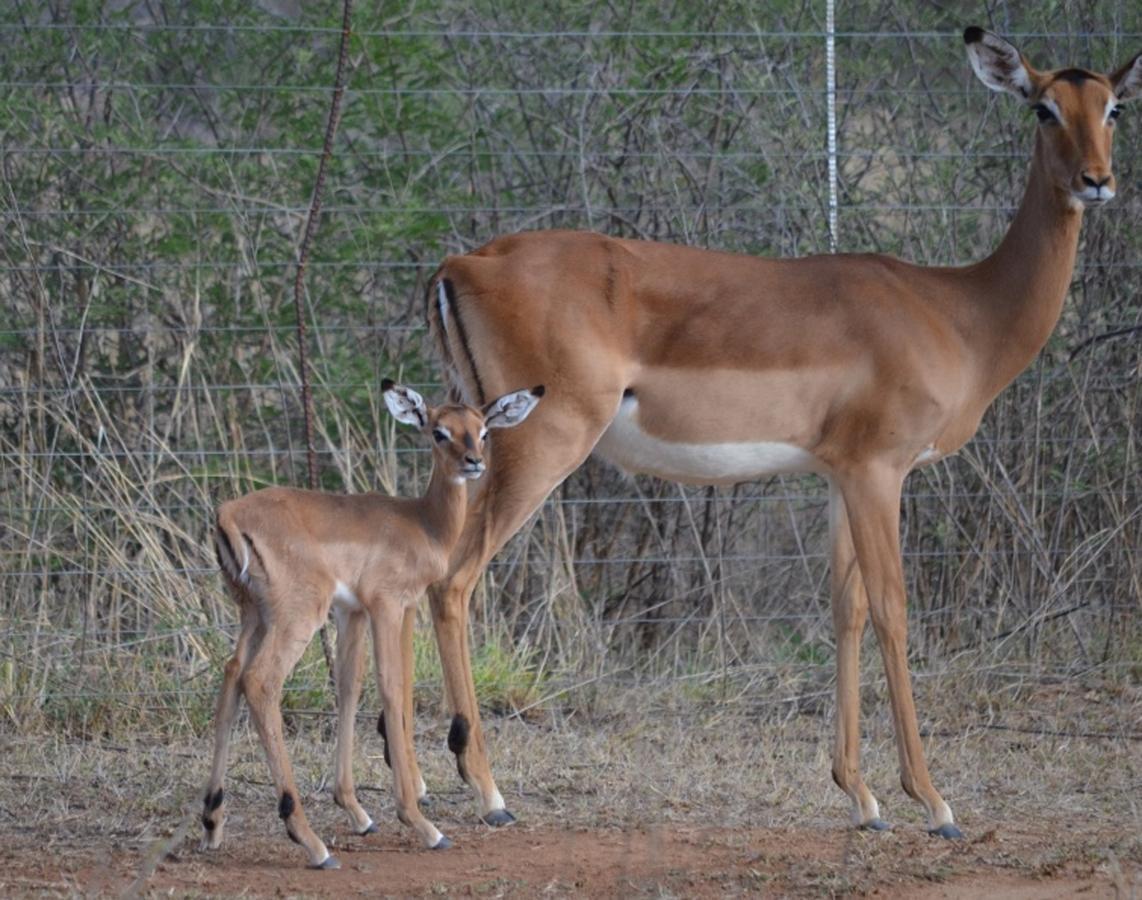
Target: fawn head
column 458, row 432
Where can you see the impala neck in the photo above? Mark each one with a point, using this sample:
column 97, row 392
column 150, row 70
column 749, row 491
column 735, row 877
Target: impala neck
column 445, row 505
column 1019, row 290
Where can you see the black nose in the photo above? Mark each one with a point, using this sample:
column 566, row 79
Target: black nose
column 1095, row 182
column 471, row 460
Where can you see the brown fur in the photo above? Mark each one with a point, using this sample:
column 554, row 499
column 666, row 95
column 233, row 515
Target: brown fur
column 864, row 361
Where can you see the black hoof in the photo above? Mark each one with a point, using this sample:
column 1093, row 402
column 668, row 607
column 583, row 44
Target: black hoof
column 442, row 844
column 875, row 825
column 330, row 863
column 947, row 831
column 371, row 828
column 498, row 818
column 425, row 802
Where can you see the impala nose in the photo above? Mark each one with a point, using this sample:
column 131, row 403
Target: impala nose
column 1097, row 188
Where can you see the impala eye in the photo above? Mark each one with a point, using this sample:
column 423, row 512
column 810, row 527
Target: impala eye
column 1114, row 114
column 440, row 435
column 1044, row 113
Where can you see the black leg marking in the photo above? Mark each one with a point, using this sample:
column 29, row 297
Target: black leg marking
column 458, row 741
column 384, row 737
column 285, row 810
column 213, row 801
column 210, row 804
column 458, row 734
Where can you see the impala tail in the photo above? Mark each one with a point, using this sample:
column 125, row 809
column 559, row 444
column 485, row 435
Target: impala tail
column 233, row 549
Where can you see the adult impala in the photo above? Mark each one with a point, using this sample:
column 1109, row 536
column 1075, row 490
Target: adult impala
column 713, row 368
column 290, row 556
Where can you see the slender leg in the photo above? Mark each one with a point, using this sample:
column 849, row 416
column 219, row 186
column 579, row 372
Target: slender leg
column 262, row 683
column 408, row 661
column 521, row 476
column 387, row 623
column 850, row 609
column 213, row 808
column 349, row 670
column 872, row 498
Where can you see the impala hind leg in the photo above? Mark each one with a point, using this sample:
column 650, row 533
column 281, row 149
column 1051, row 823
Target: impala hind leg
column 387, row 626
column 850, row 609
column 262, row 684
column 872, row 498
column 527, row 464
column 213, row 804
column 348, row 674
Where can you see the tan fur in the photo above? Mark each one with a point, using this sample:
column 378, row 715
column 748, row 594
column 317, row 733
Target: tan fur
column 289, row 557
column 868, row 363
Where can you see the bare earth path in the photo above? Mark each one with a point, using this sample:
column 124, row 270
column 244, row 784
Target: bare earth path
column 669, row 861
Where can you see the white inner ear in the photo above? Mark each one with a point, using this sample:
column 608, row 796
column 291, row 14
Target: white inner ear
column 998, row 65
column 1131, row 82
column 406, row 406
column 511, row 409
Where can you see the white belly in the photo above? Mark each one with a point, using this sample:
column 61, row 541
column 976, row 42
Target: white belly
column 627, row 446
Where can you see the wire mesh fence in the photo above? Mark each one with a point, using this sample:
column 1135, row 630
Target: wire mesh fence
column 157, row 163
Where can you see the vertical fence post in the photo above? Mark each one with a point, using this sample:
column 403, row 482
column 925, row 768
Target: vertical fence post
column 831, row 116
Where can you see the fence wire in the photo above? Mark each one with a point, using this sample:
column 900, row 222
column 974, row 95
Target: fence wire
column 157, row 160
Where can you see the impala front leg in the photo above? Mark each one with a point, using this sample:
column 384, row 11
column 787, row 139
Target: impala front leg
column 390, row 678
column 408, row 662
column 449, row 605
column 527, row 464
column 872, row 498
column 850, row 610
column 349, row 671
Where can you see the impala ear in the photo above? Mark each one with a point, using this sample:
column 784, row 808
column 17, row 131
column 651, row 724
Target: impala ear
column 406, row 405
column 511, row 409
column 1127, row 81
column 998, row 64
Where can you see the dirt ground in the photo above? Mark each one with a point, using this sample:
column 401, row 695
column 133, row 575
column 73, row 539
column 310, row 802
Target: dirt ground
column 633, row 803
column 670, row 861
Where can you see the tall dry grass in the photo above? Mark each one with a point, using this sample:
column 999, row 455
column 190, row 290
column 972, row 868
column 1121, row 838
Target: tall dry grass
column 154, row 182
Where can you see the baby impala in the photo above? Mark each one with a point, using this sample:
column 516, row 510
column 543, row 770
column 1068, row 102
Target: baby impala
column 289, row 556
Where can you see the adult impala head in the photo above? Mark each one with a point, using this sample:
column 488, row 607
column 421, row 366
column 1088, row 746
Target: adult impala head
column 458, row 432
column 1076, row 108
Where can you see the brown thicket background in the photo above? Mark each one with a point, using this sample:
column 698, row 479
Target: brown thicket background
column 157, row 161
